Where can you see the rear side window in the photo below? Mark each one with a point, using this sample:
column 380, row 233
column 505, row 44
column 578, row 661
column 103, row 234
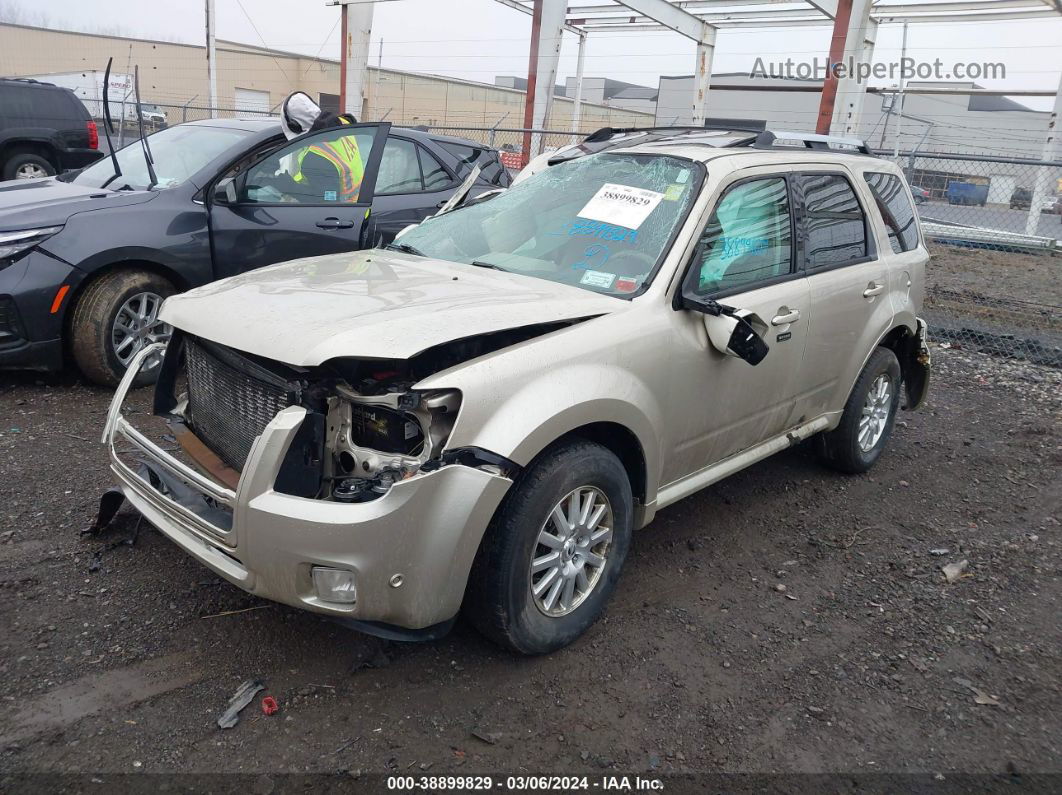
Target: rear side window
column 896, row 210
column 435, row 176
column 834, row 224
column 747, row 240
column 491, row 168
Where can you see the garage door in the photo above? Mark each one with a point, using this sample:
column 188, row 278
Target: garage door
column 250, row 101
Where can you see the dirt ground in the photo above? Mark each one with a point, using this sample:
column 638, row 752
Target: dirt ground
column 119, row 660
column 1006, row 275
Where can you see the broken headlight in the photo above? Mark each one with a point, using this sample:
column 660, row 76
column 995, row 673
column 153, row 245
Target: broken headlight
column 378, row 440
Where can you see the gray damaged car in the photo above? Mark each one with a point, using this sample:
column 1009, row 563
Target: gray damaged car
column 478, row 417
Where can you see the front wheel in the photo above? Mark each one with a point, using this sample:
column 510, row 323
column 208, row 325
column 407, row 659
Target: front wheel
column 115, row 318
column 869, row 415
column 553, row 554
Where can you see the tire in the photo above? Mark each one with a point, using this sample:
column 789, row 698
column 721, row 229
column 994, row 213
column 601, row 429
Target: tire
column 841, row 448
column 499, row 600
column 20, row 165
column 93, row 325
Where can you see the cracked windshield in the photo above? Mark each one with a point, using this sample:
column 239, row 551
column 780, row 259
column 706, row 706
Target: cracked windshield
column 601, row 223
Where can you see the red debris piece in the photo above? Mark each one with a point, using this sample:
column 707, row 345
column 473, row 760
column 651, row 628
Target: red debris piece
column 269, row 705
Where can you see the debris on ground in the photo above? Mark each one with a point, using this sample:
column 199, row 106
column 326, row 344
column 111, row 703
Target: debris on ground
column 953, row 572
column 939, row 553
column 980, row 696
column 490, row 738
column 243, row 696
column 270, row 706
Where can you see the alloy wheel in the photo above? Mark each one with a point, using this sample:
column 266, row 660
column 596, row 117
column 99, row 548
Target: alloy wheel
column 30, row 171
column 137, row 325
column 571, row 551
column 875, row 414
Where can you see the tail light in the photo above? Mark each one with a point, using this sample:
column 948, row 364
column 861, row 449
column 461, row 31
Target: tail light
column 93, row 134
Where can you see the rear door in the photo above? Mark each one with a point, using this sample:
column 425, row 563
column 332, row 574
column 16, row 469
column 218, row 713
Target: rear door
column 411, row 185
column 849, row 280
column 285, row 209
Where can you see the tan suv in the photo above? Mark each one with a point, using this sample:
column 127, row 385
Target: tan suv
column 478, row 417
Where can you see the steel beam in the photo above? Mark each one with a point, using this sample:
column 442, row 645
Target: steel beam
column 671, row 17
column 527, row 10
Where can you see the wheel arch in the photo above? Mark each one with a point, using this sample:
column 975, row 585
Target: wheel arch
column 904, row 341
column 37, row 146
column 117, row 265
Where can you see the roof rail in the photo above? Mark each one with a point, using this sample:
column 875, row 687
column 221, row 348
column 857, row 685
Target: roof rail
column 768, row 139
column 605, row 133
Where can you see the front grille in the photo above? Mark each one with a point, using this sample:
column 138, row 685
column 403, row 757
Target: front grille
column 10, row 325
column 228, row 409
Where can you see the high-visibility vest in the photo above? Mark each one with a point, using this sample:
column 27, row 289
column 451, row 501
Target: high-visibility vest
column 343, row 153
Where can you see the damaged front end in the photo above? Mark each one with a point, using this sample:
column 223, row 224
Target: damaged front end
column 330, row 488
column 366, row 427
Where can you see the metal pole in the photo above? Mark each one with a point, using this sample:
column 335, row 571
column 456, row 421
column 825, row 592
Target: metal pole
column 577, row 107
column 903, row 85
column 702, row 77
column 829, row 86
column 532, row 77
column 343, row 58
column 376, row 83
column 354, row 63
column 211, row 54
column 1043, row 174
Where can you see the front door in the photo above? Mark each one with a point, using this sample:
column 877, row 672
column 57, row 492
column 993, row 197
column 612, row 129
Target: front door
column 745, row 259
column 310, row 197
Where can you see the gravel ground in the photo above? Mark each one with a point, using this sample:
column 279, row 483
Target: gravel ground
column 789, row 619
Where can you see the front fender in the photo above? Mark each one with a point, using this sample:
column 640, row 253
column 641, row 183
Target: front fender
column 520, row 417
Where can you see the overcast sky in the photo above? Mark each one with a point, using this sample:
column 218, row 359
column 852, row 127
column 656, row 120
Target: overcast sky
column 478, row 39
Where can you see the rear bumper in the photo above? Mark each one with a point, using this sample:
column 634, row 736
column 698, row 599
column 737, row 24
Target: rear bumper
column 79, row 158
column 410, row 550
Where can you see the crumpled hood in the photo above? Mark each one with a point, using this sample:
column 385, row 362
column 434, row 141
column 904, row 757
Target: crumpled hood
column 36, row 203
column 370, row 304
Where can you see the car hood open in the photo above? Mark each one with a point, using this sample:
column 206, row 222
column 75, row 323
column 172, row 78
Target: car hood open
column 371, row 304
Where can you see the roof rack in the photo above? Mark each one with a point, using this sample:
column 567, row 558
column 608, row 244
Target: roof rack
column 757, row 137
column 768, row 139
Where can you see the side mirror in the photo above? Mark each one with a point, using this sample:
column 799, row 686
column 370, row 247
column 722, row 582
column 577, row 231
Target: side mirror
column 736, row 336
column 225, row 191
column 733, row 332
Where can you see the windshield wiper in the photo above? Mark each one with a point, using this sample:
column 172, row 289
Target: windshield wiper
column 140, row 123
column 405, row 248
column 108, row 124
column 491, row 265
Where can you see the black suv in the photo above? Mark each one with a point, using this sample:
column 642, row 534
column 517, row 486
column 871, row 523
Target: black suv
column 87, row 258
column 1021, row 199
column 44, row 130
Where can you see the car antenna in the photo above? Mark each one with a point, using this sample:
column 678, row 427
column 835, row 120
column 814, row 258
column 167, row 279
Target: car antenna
column 140, row 124
column 108, row 124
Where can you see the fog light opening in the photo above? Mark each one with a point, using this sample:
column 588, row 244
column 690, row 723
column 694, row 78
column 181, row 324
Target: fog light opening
column 334, row 585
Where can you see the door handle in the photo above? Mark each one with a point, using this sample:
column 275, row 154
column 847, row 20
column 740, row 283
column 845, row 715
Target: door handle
column 792, row 316
column 873, row 289
column 334, row 223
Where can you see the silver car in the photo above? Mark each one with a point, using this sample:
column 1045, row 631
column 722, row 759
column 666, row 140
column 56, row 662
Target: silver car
column 478, row 417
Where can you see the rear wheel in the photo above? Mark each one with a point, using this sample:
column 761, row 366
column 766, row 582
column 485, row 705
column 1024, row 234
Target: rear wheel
column 27, row 165
column 553, row 554
column 115, row 318
column 869, row 415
